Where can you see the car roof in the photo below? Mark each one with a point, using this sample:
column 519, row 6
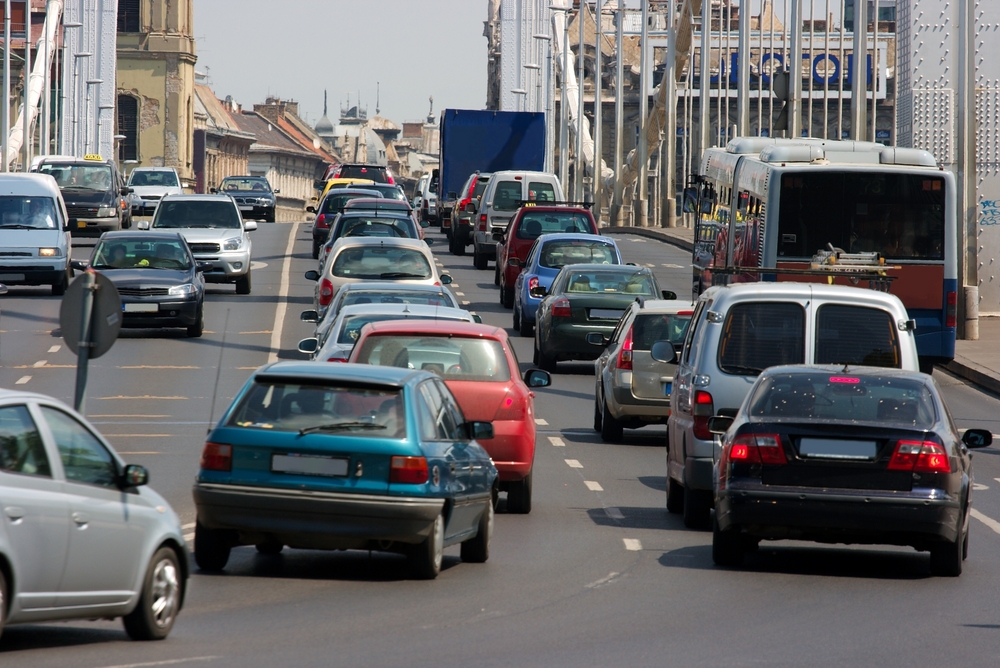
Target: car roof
column 392, row 285
column 401, row 242
column 383, row 202
column 414, row 309
column 354, row 373
column 610, row 267
column 723, row 295
column 28, row 184
column 443, row 327
column 523, row 172
column 555, row 208
column 575, row 236
column 141, row 236
column 665, row 306
column 198, row 197
column 360, row 190
column 245, row 176
column 847, row 370
column 153, row 169
column 361, row 164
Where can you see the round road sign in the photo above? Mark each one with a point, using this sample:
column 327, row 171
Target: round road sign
column 106, row 318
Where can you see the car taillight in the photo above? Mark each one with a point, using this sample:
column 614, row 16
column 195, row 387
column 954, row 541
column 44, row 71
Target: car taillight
column 482, row 222
column 409, row 470
column 423, row 203
column 560, row 308
column 391, row 180
column 217, row 457
column 511, row 408
column 336, row 359
column 951, row 311
column 702, row 409
column 920, row 457
column 532, row 283
column 321, row 221
column 625, row 354
column 756, row 449
column 325, row 292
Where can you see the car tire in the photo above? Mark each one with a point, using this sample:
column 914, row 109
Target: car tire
column 516, row 317
column 270, row 548
column 598, row 422
column 211, row 548
column 59, row 289
column 508, row 297
column 946, row 558
column 194, row 331
column 425, row 558
column 160, row 600
column 519, row 495
column 243, row 284
column 496, row 274
column 502, row 295
column 453, row 245
column 697, row 508
column 545, row 363
column 727, row 546
column 479, row 260
column 315, row 250
column 269, row 217
column 4, row 603
column 477, row 550
column 675, row 496
column 525, row 328
column 611, row 428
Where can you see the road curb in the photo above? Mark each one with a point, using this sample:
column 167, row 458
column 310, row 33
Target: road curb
column 975, row 374
column 659, row 234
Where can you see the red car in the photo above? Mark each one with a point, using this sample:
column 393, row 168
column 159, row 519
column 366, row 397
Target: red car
column 478, row 365
column 529, row 223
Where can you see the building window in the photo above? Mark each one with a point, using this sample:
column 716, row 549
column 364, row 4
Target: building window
column 128, row 125
column 128, row 15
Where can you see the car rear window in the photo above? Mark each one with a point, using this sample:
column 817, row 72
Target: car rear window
column 557, row 254
column 882, row 400
column 540, row 191
column 372, row 172
column 166, row 178
column 453, row 358
column 609, row 282
column 758, row 335
column 336, row 203
column 397, row 297
column 856, row 335
column 364, row 226
column 507, row 195
column 480, row 187
column 360, row 412
column 649, row 328
column 381, row 262
column 533, row 225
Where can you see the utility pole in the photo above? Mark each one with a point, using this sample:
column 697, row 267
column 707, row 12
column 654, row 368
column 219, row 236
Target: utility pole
column 616, row 206
column 704, row 117
column 578, row 166
column 642, row 218
column 669, row 170
column 795, row 73
column 26, row 134
column 563, row 109
column 5, row 112
column 598, row 116
column 859, row 73
column 968, row 238
column 743, row 74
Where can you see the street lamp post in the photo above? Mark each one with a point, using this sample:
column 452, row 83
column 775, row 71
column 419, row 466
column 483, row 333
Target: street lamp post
column 77, row 57
column 66, row 88
column 546, row 40
column 5, row 111
column 598, row 114
column 26, row 134
column 643, row 147
column 563, row 109
column 616, row 206
column 578, row 167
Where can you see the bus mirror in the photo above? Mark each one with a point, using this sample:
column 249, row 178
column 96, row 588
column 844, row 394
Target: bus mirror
column 690, row 204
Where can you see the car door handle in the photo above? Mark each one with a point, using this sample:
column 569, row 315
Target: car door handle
column 14, row 512
column 81, row 519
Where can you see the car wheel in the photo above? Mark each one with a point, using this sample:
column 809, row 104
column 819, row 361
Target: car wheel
column 517, row 319
column 459, row 244
column 154, row 614
column 477, row 550
column 496, row 274
column 452, row 245
column 195, row 330
column 479, row 260
column 425, row 559
column 3, row 601
column 315, row 250
column 946, row 558
column 727, row 546
column 503, row 297
column 597, row 415
column 697, row 508
column 675, row 496
column 269, row 217
column 508, row 298
column 211, row 548
column 59, row 289
column 545, row 363
column 965, row 547
column 519, row 496
column 611, row 428
column 525, row 328
column 243, row 284
column 270, row 548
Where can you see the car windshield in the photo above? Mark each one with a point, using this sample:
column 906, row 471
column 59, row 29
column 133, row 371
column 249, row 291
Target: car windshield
column 36, row 213
column 248, row 184
column 335, row 203
column 95, row 176
column 386, row 262
column 374, row 173
column 360, row 412
column 141, row 254
column 535, row 224
column 609, row 282
column 221, row 214
column 481, row 184
column 649, row 328
column 558, row 254
column 364, row 226
column 388, row 191
column 844, row 397
column 430, row 298
column 453, row 357
column 165, row 178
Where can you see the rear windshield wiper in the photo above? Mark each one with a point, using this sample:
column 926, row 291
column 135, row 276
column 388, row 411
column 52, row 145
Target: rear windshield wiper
column 400, row 274
column 339, row 426
column 744, row 370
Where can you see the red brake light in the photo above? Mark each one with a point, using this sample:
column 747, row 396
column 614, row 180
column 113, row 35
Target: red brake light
column 336, row 359
column 321, row 221
column 920, row 457
column 482, row 222
column 532, row 283
column 744, row 450
column 423, row 204
column 511, row 408
column 951, row 311
column 217, row 457
column 325, row 292
column 702, row 410
column 391, row 180
column 409, row 470
column 625, row 354
column 560, row 308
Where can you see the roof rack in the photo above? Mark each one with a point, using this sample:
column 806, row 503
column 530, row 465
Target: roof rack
column 538, row 202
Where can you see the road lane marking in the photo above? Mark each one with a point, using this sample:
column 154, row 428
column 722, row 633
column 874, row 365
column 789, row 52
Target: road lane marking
column 997, row 479
column 541, row 422
column 263, row 331
column 988, row 521
column 137, row 435
column 143, row 396
column 593, row 485
column 189, row 538
column 673, row 266
column 556, row 441
column 55, row 349
column 979, row 487
column 166, row 662
column 22, row 380
column 44, row 366
column 40, row 363
column 573, row 463
column 614, row 513
column 279, row 311
column 632, row 544
column 257, row 265
column 460, row 294
column 189, row 525
column 606, row 579
column 465, row 303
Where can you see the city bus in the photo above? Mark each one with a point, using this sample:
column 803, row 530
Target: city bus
column 766, row 203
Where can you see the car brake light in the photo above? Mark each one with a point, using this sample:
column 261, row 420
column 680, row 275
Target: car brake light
column 753, row 449
column 511, row 408
column 560, row 308
column 920, row 457
column 532, row 283
column 625, row 354
column 744, row 450
column 409, row 470
column 769, row 447
column 217, row 457
column 325, row 292
column 423, row 203
column 321, row 221
column 702, row 410
column 336, row 359
column 951, row 312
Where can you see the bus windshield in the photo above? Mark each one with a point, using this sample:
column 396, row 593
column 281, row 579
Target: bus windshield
column 901, row 216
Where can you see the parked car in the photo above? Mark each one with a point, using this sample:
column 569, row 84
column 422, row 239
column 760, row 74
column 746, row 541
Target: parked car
column 34, row 232
column 548, row 255
column 844, row 454
column 529, row 223
column 739, row 330
column 94, row 192
column 149, row 185
column 462, row 216
column 586, row 299
column 503, row 196
column 633, row 389
column 215, row 232
column 252, row 194
column 345, row 456
column 82, row 535
column 478, row 365
column 158, row 279
column 326, row 212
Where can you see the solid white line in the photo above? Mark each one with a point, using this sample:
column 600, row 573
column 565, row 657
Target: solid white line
column 593, row 485
column 988, row 521
column 632, row 544
column 40, row 363
column 541, row 422
column 573, row 464
column 55, row 349
column 168, row 662
column 556, row 441
column 279, row 311
column 22, row 380
column 614, row 513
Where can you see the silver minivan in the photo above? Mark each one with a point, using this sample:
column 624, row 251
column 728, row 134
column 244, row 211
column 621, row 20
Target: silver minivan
column 35, row 243
column 739, row 330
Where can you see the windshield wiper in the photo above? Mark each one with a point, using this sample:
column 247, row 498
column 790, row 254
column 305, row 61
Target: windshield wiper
column 339, row 426
column 104, row 266
column 400, row 274
column 20, row 226
column 736, row 368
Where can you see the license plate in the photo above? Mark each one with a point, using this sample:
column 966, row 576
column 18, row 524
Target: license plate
column 81, row 223
column 246, row 208
column 140, row 308
column 828, row 448
column 667, row 389
column 605, row 314
column 309, row 465
column 11, row 277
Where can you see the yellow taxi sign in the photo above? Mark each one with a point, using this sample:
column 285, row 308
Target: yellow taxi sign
column 93, row 156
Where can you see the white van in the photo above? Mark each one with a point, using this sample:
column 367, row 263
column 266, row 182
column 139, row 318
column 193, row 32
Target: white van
column 499, row 203
column 739, row 330
column 35, row 241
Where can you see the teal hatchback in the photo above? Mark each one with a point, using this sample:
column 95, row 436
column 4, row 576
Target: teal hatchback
column 332, row 457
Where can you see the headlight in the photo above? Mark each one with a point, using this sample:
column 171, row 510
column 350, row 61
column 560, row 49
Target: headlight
column 106, row 211
column 49, row 252
column 185, row 290
column 232, row 244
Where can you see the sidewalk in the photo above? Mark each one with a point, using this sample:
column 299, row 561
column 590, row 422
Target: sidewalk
column 975, row 361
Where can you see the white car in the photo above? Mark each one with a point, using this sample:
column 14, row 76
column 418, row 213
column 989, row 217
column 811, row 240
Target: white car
column 151, row 184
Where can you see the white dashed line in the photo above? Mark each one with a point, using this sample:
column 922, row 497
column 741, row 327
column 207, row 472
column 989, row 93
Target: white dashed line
column 189, row 538
column 460, row 294
column 979, row 487
column 672, row 266
column 541, row 422
column 22, row 380
column 988, row 521
column 188, row 526
column 650, row 264
column 632, row 544
column 573, row 464
column 593, row 485
column 465, row 303
column 997, row 479
column 454, row 285
column 40, row 363
column 556, row 441
column 55, row 349
column 614, row 513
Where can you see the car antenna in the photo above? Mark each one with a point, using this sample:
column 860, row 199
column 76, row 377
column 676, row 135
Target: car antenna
column 218, row 372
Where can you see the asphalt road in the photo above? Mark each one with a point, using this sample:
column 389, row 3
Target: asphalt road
column 597, row 575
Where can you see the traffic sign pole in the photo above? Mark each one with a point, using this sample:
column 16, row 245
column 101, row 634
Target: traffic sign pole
column 83, row 347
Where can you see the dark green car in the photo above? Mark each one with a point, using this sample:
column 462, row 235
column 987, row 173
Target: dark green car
column 584, row 299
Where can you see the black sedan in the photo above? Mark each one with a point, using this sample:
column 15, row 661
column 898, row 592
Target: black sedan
column 159, row 281
column 844, row 455
column 586, row 299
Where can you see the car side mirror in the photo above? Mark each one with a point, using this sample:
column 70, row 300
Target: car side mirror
column 126, row 190
column 309, row 346
column 309, row 316
column 668, row 294
column 446, row 279
column 250, row 225
column 537, row 378
column 310, row 209
column 312, row 275
column 719, row 424
column 204, row 266
column 538, row 292
column 79, row 265
column 597, row 339
column 3, row 289
column 214, row 191
column 513, row 262
column 470, row 207
column 479, row 431
column 477, row 318
column 663, row 351
column 497, row 236
column 276, row 191
column 69, row 225
column 429, row 242
column 977, row 438
column 135, row 476
column 142, row 225
column 424, row 223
